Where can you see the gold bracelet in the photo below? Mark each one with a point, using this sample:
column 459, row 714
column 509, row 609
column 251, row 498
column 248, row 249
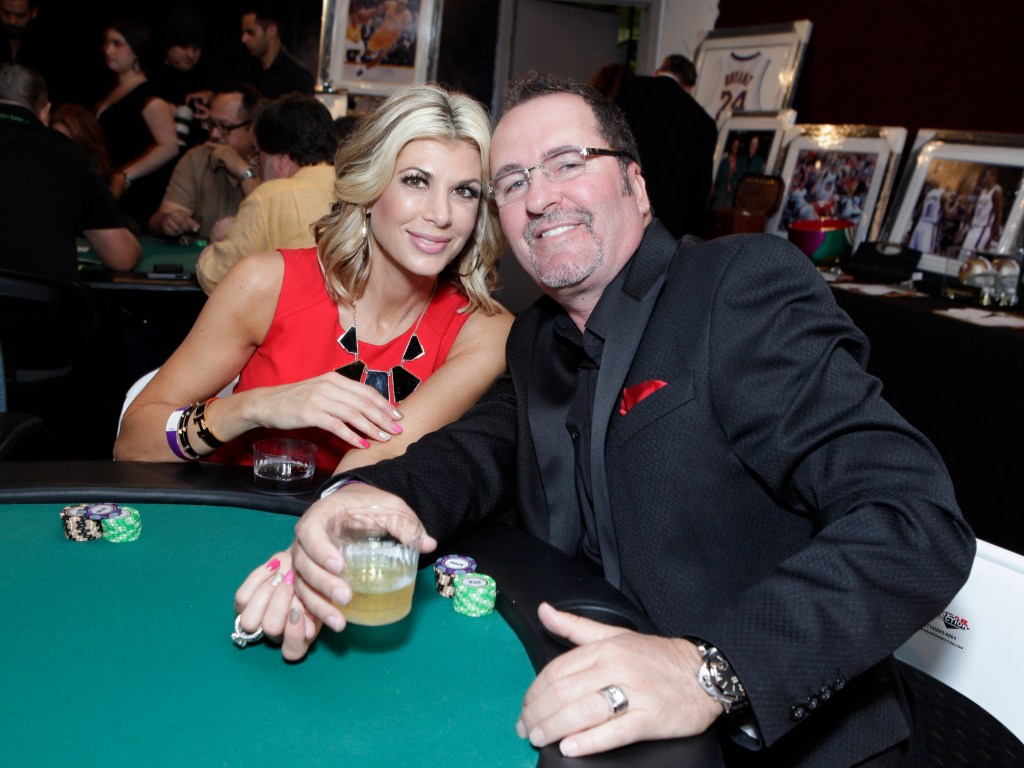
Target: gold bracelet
column 202, row 428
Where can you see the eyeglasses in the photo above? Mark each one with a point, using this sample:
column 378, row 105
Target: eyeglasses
column 559, row 166
column 224, row 128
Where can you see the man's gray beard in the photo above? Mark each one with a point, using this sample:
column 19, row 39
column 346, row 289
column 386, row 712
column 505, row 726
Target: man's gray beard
column 568, row 274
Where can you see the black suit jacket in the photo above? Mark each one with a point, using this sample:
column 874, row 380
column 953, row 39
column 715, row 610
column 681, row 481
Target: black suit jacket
column 766, row 499
column 677, row 147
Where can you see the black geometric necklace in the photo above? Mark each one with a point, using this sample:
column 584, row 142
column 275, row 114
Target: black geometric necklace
column 401, row 381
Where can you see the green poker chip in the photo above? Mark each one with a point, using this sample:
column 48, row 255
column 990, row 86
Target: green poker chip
column 474, row 594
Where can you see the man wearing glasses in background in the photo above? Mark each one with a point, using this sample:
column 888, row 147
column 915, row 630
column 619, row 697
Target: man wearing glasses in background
column 296, row 141
column 210, row 181
column 693, row 420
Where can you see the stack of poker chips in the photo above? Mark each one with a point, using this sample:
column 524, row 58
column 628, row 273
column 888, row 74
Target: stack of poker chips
column 475, row 594
column 77, row 526
column 113, row 522
column 447, row 568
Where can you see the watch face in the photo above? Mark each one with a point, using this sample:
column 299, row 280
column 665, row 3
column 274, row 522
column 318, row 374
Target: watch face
column 728, row 684
column 728, row 688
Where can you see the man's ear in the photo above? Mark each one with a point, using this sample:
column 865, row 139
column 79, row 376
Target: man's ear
column 44, row 113
column 638, row 184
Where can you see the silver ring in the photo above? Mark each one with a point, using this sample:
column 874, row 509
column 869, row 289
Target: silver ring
column 278, row 578
column 617, row 701
column 241, row 638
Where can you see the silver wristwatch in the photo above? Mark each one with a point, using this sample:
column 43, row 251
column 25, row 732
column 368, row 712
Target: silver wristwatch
column 717, row 678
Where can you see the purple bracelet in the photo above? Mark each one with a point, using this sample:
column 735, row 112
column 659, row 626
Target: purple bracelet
column 171, row 432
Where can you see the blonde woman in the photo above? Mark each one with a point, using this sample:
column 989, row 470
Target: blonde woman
column 383, row 332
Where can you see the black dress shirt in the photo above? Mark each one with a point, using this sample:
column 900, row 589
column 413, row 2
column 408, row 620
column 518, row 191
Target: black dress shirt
column 588, row 347
column 285, row 75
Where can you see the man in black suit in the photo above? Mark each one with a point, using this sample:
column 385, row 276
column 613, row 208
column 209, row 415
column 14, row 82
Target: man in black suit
column 677, row 143
column 694, row 421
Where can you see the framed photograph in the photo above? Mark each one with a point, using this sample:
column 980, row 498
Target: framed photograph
column 375, row 46
column 838, row 172
column 750, row 69
column 747, row 143
column 960, row 195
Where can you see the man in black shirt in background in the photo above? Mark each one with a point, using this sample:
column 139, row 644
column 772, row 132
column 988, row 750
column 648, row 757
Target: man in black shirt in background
column 278, row 71
column 51, row 194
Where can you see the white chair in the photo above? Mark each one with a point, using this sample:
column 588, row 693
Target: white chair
column 140, row 384
column 975, row 647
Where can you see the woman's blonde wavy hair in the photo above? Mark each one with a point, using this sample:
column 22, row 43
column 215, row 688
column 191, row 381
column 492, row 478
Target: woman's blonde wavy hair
column 364, row 166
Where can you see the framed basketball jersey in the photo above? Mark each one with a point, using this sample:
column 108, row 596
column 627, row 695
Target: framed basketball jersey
column 751, row 69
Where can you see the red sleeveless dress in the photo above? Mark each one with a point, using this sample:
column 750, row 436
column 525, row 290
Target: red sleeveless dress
column 303, row 343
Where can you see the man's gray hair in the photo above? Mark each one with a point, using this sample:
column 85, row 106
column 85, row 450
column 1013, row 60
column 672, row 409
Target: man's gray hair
column 23, row 86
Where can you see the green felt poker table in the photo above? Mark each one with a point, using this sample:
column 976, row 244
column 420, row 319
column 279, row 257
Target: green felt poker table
column 154, row 268
column 120, row 653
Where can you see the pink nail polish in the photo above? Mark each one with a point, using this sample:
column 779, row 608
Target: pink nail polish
column 273, row 564
column 364, row 442
column 289, row 577
column 397, row 429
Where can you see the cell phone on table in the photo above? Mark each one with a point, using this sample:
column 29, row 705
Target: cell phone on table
column 169, row 272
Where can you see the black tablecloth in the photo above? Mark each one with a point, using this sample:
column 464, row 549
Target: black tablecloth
column 959, row 384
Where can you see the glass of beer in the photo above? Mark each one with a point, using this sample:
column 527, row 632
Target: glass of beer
column 380, row 548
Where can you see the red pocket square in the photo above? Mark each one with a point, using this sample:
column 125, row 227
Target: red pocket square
column 633, row 395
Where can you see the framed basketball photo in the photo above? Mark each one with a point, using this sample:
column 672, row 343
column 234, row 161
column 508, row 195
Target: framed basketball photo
column 838, row 172
column 374, row 46
column 750, row 69
column 961, row 194
column 748, row 144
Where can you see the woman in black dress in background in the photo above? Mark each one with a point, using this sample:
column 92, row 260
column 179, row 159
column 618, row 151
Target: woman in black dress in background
column 138, row 124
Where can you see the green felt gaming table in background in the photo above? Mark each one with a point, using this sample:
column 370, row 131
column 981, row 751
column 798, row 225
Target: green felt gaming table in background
column 155, row 251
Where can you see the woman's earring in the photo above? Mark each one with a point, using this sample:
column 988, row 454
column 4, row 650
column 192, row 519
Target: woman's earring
column 362, row 232
column 366, row 235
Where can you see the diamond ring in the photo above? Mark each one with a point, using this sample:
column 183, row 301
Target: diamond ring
column 241, row 638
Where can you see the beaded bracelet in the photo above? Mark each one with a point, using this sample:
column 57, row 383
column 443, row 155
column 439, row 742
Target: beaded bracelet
column 173, row 430
column 202, row 428
column 190, row 452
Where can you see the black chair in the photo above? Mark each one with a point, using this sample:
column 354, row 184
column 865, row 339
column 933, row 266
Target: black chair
column 15, row 428
column 955, row 732
column 48, row 334
column 45, row 326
